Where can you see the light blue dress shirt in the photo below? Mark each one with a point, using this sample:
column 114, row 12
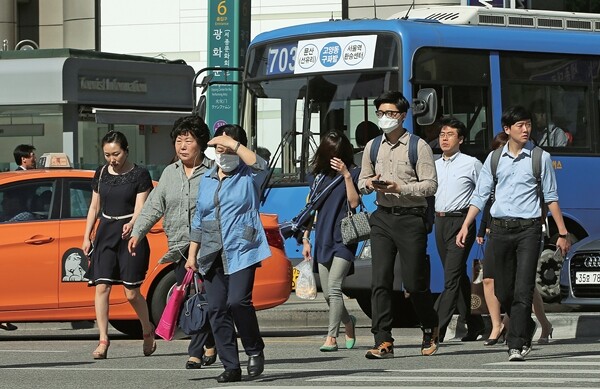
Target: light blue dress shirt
column 516, row 191
column 457, row 177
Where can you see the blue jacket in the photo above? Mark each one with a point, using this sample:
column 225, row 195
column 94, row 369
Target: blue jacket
column 227, row 219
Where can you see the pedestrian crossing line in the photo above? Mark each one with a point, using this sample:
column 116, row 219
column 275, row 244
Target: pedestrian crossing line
column 33, row 351
column 486, row 371
column 530, row 362
column 555, row 380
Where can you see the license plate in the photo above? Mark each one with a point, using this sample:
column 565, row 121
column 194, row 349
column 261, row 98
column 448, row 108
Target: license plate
column 587, row 277
column 295, row 274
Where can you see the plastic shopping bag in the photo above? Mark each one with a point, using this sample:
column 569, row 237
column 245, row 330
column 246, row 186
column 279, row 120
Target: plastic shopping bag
column 306, row 285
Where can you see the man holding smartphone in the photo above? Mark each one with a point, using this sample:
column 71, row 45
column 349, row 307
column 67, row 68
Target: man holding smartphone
column 398, row 224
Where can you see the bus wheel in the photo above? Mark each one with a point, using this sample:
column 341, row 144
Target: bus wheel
column 548, row 271
column 403, row 311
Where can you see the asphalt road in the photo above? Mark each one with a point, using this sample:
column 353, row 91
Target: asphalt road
column 61, row 358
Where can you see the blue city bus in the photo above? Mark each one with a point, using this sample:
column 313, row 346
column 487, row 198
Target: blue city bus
column 469, row 62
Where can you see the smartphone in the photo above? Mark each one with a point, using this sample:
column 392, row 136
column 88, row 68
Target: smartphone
column 380, row 182
column 89, row 254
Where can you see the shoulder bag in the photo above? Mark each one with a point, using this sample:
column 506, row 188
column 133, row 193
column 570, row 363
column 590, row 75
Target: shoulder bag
column 355, row 226
column 194, row 314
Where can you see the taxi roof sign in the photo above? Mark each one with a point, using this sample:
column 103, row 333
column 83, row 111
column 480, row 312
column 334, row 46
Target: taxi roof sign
column 54, row 160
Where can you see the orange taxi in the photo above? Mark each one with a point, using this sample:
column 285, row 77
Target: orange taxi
column 42, row 220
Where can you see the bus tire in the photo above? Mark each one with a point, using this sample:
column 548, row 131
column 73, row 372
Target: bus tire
column 403, row 311
column 548, row 271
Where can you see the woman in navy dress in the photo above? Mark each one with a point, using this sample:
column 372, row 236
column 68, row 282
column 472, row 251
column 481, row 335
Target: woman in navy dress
column 119, row 190
column 334, row 172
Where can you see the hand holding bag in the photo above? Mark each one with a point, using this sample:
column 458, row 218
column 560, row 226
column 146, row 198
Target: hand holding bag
column 355, row 227
column 306, row 284
column 478, row 304
column 168, row 321
column 194, row 314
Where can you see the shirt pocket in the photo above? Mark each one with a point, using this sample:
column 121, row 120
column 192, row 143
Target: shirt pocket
column 403, row 170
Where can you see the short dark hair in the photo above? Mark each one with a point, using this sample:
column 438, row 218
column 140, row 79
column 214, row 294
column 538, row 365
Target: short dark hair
column 499, row 140
column 116, row 137
column 514, row 114
column 333, row 144
column 22, row 151
column 264, row 153
column 234, row 131
column 395, row 98
column 538, row 106
column 191, row 125
column 453, row 122
column 365, row 131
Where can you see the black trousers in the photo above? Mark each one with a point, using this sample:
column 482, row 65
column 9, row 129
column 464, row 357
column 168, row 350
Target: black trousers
column 230, row 306
column 205, row 338
column 516, row 252
column 457, row 286
column 406, row 236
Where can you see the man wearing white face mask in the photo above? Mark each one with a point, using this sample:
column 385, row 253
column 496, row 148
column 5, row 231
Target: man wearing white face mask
column 398, row 224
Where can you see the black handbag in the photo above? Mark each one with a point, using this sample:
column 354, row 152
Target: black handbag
column 194, row 315
column 355, row 226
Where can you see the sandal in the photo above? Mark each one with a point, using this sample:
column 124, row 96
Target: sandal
column 149, row 343
column 101, row 352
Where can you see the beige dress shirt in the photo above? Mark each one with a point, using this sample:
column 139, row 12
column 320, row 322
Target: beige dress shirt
column 393, row 165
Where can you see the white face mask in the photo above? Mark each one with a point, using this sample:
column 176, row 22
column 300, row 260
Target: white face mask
column 227, row 162
column 388, row 125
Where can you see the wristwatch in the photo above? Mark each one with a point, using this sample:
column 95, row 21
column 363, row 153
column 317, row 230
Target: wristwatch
column 564, row 236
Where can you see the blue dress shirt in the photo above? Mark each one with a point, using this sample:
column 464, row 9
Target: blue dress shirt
column 516, row 191
column 457, row 177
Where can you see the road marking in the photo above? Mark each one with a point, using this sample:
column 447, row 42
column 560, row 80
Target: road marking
column 496, row 379
column 32, row 351
column 545, row 363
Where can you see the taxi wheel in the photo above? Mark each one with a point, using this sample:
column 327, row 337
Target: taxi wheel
column 158, row 298
column 132, row 328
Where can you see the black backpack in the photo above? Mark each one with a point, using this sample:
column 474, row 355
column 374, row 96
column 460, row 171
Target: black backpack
column 413, row 156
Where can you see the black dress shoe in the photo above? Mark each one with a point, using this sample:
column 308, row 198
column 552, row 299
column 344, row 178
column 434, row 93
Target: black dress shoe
column 256, row 365
column 473, row 335
column 233, row 375
column 209, row 360
column 193, row 365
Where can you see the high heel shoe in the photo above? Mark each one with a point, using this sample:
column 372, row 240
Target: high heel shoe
column 350, row 342
column 101, row 352
column 208, row 360
column 546, row 339
column 493, row 341
column 149, row 346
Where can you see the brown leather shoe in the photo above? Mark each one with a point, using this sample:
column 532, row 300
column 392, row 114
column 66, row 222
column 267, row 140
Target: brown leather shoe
column 431, row 341
column 381, row 351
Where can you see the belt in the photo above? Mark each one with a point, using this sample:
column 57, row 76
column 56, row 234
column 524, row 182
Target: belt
column 511, row 224
column 117, row 217
column 417, row 211
column 459, row 213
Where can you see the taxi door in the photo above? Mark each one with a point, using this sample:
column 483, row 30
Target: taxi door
column 29, row 240
column 73, row 286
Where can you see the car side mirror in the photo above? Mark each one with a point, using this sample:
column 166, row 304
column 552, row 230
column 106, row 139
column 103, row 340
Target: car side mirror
column 425, row 106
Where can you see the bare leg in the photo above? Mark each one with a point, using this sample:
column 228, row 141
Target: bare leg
column 540, row 314
column 138, row 303
column 101, row 305
column 493, row 307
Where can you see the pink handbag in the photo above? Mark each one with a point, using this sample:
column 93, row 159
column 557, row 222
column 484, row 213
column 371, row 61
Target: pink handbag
column 168, row 321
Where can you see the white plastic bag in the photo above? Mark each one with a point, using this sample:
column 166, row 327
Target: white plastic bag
column 306, row 284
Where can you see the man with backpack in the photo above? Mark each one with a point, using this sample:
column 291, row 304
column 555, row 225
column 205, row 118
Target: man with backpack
column 518, row 213
column 399, row 226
